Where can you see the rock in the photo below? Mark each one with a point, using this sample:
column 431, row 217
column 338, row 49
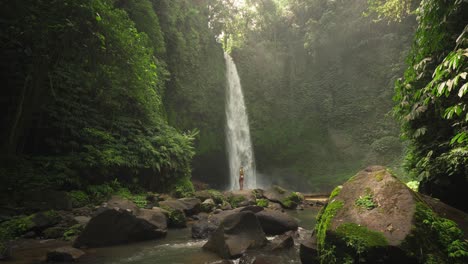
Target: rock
column 30, row 234
column 287, row 199
column 275, row 206
column 208, row 205
column 64, row 254
column 241, row 198
column 223, row 261
column 114, row 227
column 226, row 206
column 154, row 217
column 43, row 220
column 281, row 242
column 236, row 233
column 54, row 232
column 202, row 195
column 308, row 251
column 378, row 219
column 82, row 220
column 275, row 222
column 189, row 206
column 123, row 204
column 203, row 229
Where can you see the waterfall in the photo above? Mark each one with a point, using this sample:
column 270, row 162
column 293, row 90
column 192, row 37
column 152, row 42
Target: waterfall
column 239, row 145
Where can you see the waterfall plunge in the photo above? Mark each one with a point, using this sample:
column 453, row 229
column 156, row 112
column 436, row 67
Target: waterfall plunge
column 239, row 145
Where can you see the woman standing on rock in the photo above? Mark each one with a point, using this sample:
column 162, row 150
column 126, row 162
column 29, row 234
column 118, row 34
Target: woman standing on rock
column 241, row 178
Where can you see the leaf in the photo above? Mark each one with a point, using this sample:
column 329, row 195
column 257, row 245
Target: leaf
column 463, row 90
column 440, row 89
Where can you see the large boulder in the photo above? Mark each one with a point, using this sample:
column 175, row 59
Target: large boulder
column 190, row 206
column 276, row 222
column 155, row 217
column 64, row 254
column 121, row 203
column 113, row 227
column 287, row 199
column 375, row 218
column 241, row 198
column 236, row 233
column 207, row 225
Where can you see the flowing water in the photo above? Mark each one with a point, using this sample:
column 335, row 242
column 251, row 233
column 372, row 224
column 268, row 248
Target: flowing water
column 239, row 145
column 177, row 248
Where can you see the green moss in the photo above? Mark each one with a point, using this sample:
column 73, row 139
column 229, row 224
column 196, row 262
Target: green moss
column 79, row 198
column 176, row 218
column 217, row 196
column 262, row 202
column 257, row 193
column 359, row 238
column 235, row 200
column 435, row 239
column 379, row 175
column 323, row 221
column 72, row 232
column 293, row 200
column 335, row 192
column 366, row 201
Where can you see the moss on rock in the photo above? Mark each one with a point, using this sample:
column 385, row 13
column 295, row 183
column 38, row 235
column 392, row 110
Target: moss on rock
column 435, row 239
column 262, row 202
column 293, row 200
column 335, row 192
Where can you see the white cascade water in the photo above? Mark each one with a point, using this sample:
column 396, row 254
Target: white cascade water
column 239, row 145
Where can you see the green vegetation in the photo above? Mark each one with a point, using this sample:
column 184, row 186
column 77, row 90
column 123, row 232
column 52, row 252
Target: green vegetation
column 293, row 200
column 72, row 232
column 235, row 200
column 217, row 196
column 262, row 202
column 335, row 192
column 436, row 239
column 94, row 87
column 176, row 218
column 22, row 224
column 366, row 201
column 431, row 103
column 79, row 198
column 359, row 238
column 323, row 222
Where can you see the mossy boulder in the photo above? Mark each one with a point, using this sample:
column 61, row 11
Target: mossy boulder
column 23, row 224
column 375, row 218
column 288, row 199
column 241, row 198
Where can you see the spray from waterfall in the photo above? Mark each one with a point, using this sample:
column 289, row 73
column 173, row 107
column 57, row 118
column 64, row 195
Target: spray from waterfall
column 239, row 145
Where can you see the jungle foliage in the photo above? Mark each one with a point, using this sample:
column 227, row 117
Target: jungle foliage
column 432, row 103
column 86, row 89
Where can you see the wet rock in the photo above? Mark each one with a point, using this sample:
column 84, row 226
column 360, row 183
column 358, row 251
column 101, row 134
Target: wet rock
column 241, row 198
column 64, row 254
column 275, row 222
column 287, row 199
column 114, row 227
column 308, row 251
column 284, row 241
column 154, row 217
column 236, row 233
column 203, row 229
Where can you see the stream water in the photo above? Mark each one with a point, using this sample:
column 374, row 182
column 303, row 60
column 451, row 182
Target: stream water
column 179, row 248
column 239, row 145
